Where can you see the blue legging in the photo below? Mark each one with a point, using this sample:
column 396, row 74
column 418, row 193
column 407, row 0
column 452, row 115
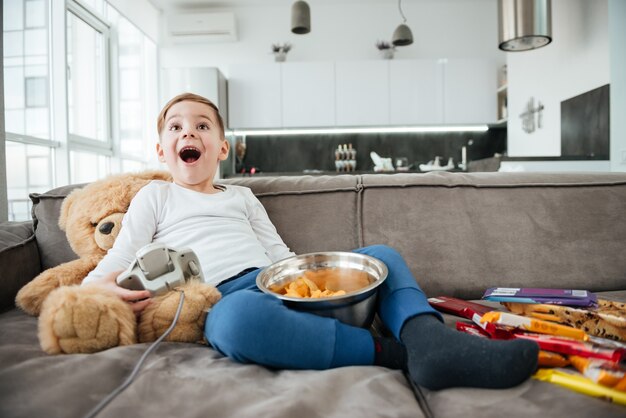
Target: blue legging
column 250, row 326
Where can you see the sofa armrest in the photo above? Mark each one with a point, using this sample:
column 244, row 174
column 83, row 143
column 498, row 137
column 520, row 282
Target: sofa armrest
column 19, row 260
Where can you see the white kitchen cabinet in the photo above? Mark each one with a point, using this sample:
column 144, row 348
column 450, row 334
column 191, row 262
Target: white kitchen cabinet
column 469, row 86
column 308, row 94
column 362, row 93
column 205, row 81
column 415, row 92
column 254, row 95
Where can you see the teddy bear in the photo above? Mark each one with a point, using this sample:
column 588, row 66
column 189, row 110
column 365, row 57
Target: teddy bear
column 84, row 319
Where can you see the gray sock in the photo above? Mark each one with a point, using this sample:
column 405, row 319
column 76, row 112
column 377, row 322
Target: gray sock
column 389, row 353
column 440, row 357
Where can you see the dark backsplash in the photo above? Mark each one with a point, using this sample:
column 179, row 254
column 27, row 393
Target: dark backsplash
column 317, row 152
column 585, row 125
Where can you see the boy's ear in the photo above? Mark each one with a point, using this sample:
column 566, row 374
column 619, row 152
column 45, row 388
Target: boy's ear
column 159, row 150
column 224, row 150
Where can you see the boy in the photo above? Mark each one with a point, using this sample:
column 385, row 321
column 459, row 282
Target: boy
column 233, row 237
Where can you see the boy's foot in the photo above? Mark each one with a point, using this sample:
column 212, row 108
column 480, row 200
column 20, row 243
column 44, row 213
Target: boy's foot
column 440, row 357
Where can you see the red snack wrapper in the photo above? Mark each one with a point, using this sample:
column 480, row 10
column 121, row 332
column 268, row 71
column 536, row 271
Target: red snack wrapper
column 546, row 358
column 496, row 332
column 471, row 329
column 458, row 307
column 573, row 347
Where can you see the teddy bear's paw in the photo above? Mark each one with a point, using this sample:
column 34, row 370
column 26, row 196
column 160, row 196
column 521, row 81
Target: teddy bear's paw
column 159, row 314
column 78, row 319
column 31, row 296
column 29, row 299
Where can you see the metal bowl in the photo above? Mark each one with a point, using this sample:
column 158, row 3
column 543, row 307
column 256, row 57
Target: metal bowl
column 355, row 308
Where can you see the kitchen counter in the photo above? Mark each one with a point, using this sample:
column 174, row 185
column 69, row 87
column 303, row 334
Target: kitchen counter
column 323, row 173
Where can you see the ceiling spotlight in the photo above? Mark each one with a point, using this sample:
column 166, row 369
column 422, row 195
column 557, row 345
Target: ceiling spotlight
column 402, row 36
column 300, row 18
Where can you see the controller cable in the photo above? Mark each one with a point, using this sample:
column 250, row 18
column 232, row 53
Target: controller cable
column 104, row 402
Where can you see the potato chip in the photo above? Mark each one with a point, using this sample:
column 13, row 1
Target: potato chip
column 324, row 283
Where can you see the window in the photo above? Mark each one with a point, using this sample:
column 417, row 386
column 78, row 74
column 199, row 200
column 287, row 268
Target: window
column 29, row 170
column 111, row 95
column 26, row 60
column 86, row 77
column 137, row 99
column 36, row 91
column 26, row 69
column 87, row 166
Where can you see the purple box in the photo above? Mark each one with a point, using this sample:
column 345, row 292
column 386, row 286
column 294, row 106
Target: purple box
column 567, row 297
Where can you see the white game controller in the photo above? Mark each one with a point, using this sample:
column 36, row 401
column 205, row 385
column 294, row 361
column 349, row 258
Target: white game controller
column 159, row 269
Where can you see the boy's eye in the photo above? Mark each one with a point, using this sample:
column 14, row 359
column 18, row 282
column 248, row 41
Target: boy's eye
column 203, row 126
column 174, row 127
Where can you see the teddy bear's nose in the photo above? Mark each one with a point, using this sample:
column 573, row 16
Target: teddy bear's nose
column 106, row 228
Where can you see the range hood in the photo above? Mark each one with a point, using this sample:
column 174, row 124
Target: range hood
column 524, row 24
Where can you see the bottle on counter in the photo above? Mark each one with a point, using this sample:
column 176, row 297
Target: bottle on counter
column 345, row 158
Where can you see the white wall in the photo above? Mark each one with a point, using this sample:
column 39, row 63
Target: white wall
column 576, row 61
column 560, row 166
column 617, row 28
column 142, row 13
column 348, row 30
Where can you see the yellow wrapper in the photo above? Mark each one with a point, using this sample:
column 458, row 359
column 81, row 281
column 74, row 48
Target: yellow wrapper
column 580, row 384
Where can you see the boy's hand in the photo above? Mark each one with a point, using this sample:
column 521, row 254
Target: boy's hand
column 138, row 299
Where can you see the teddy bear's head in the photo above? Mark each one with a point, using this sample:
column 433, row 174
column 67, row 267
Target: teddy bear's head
column 92, row 216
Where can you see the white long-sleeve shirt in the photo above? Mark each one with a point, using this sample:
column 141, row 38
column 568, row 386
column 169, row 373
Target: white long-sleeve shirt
column 229, row 231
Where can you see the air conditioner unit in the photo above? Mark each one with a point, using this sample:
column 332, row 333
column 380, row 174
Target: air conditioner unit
column 202, row 27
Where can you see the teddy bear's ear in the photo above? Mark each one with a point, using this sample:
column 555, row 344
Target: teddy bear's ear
column 65, row 209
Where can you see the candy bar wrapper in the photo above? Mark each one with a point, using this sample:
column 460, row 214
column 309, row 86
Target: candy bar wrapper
column 469, row 310
column 471, row 329
column 550, row 359
column 569, row 297
column 458, row 307
column 497, row 332
column 486, row 330
column 603, row 372
column 574, row 347
column 533, row 325
column 546, row 358
column 580, row 384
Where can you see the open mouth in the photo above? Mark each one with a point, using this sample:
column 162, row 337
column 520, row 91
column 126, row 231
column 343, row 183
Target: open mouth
column 189, row 154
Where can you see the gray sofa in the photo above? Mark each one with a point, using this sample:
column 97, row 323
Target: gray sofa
column 460, row 233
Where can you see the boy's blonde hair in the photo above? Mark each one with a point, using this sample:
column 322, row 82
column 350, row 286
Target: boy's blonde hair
column 192, row 98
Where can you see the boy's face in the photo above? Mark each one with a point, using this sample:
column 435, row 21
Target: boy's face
column 191, row 145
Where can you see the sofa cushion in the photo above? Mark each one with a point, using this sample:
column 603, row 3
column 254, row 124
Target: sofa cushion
column 51, row 241
column 463, row 233
column 19, row 259
column 311, row 213
column 207, row 384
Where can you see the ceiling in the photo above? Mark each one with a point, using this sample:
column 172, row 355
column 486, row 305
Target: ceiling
column 184, row 4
